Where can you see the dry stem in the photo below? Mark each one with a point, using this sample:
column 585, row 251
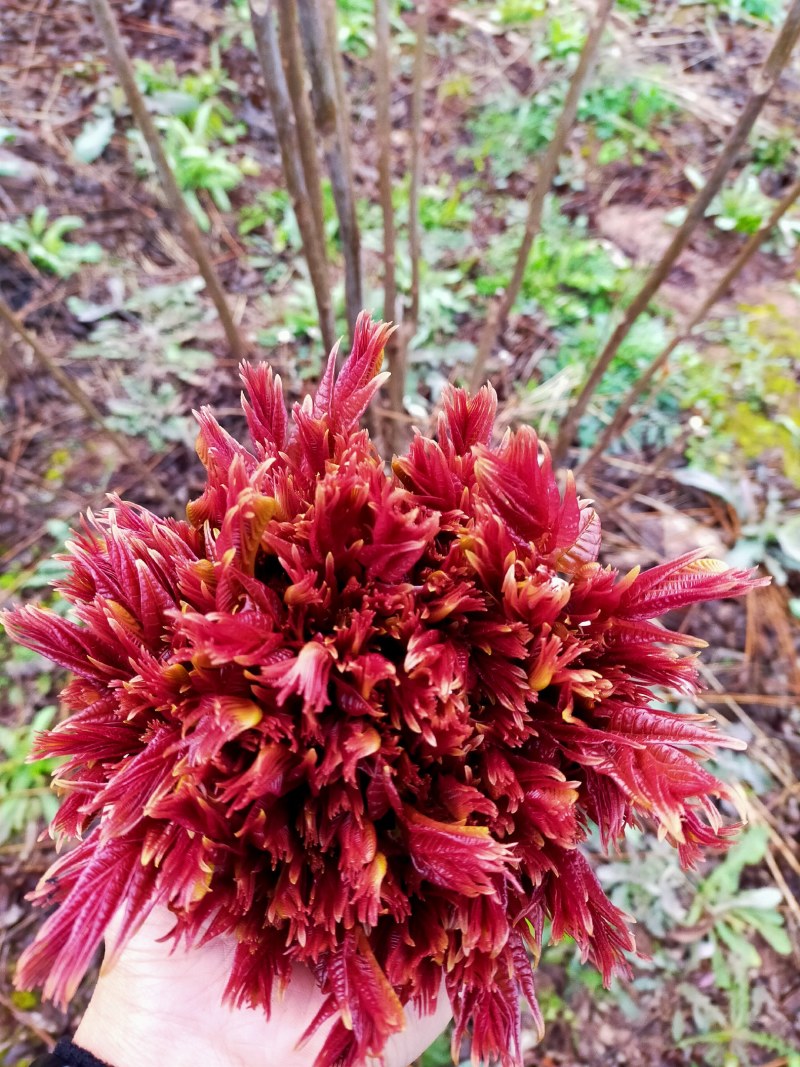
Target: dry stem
column 498, row 312
column 332, row 127
column 120, row 61
column 383, row 122
column 765, row 81
column 411, row 320
column 283, row 115
column 289, row 39
column 625, row 414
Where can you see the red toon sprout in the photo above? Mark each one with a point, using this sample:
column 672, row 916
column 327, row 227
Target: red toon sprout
column 363, row 719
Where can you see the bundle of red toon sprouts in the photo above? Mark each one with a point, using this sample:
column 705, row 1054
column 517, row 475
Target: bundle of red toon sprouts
column 363, row 719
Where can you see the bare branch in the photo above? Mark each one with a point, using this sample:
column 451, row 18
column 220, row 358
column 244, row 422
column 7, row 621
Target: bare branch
column 417, row 108
column 120, row 61
column 383, row 120
column 764, row 82
column 283, row 114
column 499, row 311
column 289, row 39
column 625, row 414
column 84, row 402
column 342, row 103
column 333, row 131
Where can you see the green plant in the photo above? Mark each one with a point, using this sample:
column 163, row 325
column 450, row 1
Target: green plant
column 564, row 35
column 26, row 800
column 196, row 161
column 170, row 93
column 10, row 165
column 773, row 152
column 772, row 540
column 636, row 8
column 729, row 919
column 572, row 284
column 159, row 331
column 271, row 211
column 45, row 243
column 356, row 25
column 741, row 207
column 95, row 135
column 624, row 118
column 156, row 413
column 236, row 25
column 743, row 387
column 517, row 12
column 157, row 334
column 508, row 132
column 196, row 127
column 771, row 11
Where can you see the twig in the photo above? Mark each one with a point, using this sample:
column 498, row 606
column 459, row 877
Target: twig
column 417, row 109
column 283, row 115
column 342, row 105
column 383, row 122
column 289, row 38
column 498, row 312
column 85, row 403
column 764, row 82
column 411, row 320
column 333, row 131
column 120, row 60
column 624, row 414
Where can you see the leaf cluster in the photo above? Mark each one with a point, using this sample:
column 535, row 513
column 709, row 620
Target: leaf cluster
column 47, row 244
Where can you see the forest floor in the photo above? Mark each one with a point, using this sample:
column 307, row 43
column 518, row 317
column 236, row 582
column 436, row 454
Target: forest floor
column 715, row 462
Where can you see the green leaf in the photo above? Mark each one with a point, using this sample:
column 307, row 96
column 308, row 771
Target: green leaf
column 788, row 536
column 94, row 138
column 770, row 927
column 738, row 945
column 38, row 220
column 173, row 102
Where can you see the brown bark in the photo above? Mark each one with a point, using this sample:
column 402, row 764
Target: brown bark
column 383, row 120
column 624, row 414
column 120, row 61
column 499, row 311
column 289, row 40
column 283, row 114
column 765, row 81
column 417, row 109
column 332, row 126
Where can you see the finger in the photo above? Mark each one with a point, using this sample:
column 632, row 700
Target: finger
column 419, row 1033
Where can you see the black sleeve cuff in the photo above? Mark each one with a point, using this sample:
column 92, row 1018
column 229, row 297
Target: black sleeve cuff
column 68, row 1054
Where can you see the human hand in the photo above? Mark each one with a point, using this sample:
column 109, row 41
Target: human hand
column 154, row 1004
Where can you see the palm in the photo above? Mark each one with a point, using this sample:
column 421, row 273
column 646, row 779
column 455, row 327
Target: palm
column 152, row 1000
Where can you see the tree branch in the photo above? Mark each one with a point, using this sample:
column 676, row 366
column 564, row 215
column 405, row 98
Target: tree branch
column 417, row 109
column 120, row 61
column 499, row 311
column 333, row 131
column 289, row 39
column 383, row 122
column 624, row 414
column 764, row 82
column 283, row 115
